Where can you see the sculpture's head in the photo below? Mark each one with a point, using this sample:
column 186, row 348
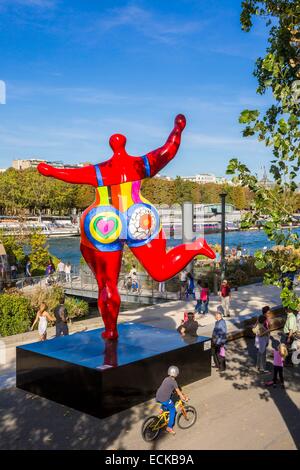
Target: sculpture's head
column 117, row 142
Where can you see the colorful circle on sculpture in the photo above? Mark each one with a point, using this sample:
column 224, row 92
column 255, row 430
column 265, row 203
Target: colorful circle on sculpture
column 103, row 227
column 143, row 224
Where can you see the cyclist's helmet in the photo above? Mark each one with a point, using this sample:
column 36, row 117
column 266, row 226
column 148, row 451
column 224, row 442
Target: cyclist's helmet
column 173, row 371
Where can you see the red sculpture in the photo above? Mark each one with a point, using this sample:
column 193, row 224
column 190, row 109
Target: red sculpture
column 121, row 214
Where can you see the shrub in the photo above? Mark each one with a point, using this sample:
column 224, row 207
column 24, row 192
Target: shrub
column 51, row 296
column 48, row 295
column 16, row 314
column 76, row 308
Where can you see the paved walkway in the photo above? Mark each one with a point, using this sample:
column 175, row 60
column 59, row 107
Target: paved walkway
column 235, row 411
column 246, row 301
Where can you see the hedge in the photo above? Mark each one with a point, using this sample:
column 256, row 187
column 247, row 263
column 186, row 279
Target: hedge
column 16, row 314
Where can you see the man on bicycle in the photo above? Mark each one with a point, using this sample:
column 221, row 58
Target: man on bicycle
column 164, row 393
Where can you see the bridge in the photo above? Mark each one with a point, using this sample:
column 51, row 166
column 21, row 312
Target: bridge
column 148, row 292
column 83, row 284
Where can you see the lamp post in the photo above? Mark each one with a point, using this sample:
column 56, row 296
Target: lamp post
column 223, row 259
column 187, row 227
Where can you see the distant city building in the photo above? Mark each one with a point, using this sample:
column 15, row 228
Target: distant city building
column 2, row 170
column 164, row 177
column 205, row 178
column 201, row 178
column 23, row 164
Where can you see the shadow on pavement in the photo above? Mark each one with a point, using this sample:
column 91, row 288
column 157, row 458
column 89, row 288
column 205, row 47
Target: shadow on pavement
column 241, row 371
column 31, row 422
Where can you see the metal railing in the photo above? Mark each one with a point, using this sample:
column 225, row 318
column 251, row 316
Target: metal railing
column 82, row 279
column 143, row 286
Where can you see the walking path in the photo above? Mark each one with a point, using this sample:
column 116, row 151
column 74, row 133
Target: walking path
column 246, row 301
column 235, row 411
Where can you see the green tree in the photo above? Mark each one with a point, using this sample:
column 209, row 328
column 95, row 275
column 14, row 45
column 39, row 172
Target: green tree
column 39, row 253
column 14, row 247
column 16, row 314
column 278, row 129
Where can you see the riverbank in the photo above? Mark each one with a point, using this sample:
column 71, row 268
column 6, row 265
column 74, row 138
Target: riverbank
column 68, row 249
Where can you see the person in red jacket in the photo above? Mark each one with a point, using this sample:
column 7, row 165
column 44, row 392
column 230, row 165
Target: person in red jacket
column 120, row 214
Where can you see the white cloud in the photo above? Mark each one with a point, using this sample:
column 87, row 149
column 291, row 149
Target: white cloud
column 160, row 29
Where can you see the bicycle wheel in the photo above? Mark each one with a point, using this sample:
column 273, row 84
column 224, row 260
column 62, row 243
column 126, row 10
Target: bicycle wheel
column 187, row 420
column 149, row 429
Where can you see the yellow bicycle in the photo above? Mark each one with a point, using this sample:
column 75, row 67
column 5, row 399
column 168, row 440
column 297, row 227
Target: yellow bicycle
column 186, row 416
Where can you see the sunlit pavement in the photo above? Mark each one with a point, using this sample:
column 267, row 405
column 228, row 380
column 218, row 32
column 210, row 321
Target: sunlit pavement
column 247, row 300
column 235, row 411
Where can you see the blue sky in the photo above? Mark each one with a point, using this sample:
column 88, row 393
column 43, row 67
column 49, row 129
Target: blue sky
column 77, row 71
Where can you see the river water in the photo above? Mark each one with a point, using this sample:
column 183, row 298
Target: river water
column 67, row 249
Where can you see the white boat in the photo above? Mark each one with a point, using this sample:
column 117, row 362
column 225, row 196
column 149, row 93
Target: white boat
column 53, row 228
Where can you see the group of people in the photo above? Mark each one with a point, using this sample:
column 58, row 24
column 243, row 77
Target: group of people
column 200, row 292
column 63, row 270
column 282, row 349
column 131, row 282
column 189, row 330
column 60, row 318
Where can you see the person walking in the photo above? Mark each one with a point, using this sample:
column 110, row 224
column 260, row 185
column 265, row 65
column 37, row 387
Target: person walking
column 134, row 279
column 68, row 269
column 280, row 352
column 50, row 268
column 183, row 283
column 61, row 317
column 42, row 318
column 162, row 287
column 198, row 297
column 28, row 268
column 190, row 286
column 218, row 339
column 61, row 271
column 290, row 327
column 14, row 271
column 204, row 298
column 225, row 295
column 279, row 356
column 261, row 343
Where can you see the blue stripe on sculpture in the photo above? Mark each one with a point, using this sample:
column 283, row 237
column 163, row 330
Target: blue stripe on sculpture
column 147, row 165
column 99, row 176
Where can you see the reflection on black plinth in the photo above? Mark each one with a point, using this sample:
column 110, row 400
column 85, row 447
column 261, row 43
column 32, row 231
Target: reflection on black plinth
column 103, row 377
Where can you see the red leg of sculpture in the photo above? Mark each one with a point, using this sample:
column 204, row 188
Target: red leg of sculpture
column 163, row 265
column 106, row 267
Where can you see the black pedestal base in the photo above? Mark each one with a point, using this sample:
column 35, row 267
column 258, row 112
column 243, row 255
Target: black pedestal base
column 100, row 377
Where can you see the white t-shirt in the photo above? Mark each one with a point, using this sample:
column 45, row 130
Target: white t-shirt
column 183, row 276
column 197, row 293
column 67, row 268
column 133, row 273
column 61, row 267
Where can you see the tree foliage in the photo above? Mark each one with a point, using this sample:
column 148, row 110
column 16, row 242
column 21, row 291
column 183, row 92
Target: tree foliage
column 278, row 128
column 16, row 314
column 26, row 191
column 27, row 244
column 177, row 191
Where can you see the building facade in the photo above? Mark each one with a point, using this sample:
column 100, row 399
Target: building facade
column 23, row 164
